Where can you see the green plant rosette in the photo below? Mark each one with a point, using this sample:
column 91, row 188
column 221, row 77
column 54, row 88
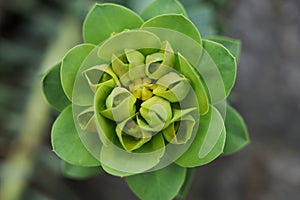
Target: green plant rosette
column 144, row 97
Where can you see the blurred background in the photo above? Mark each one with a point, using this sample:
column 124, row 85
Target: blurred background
column 35, row 34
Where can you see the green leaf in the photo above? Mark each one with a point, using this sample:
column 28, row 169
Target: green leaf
column 115, row 172
column 83, row 94
column 114, row 159
column 218, row 70
column 86, row 120
column 122, row 163
column 100, row 74
column 120, row 105
column 71, row 64
column 159, row 7
column 105, row 127
column 236, row 131
column 173, row 87
column 180, row 137
column 66, row 142
column 52, row 89
column 106, row 19
column 187, row 70
column 176, row 22
column 78, row 172
column 132, row 39
column 131, row 140
column 157, row 112
column 233, row 45
column 208, row 143
column 163, row 184
column 180, row 42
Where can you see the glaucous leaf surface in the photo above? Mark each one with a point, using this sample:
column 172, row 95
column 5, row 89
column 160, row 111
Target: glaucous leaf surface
column 106, row 19
column 183, row 24
column 163, row 184
column 115, row 159
column 70, row 65
column 236, row 132
column 53, row 90
column 158, row 7
column 233, row 45
column 188, row 71
column 133, row 39
column 218, row 70
column 208, row 143
column 124, row 163
column 66, row 142
column 82, row 93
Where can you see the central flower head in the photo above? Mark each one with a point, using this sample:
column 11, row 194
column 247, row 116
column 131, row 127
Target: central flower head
column 142, row 88
column 144, row 96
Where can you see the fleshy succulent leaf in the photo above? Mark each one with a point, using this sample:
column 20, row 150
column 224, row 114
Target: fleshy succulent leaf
column 180, row 131
column 236, row 132
column 218, row 70
column 157, row 112
column 121, row 162
column 187, row 70
column 82, row 93
column 66, row 142
column 131, row 135
column 53, row 90
column 131, row 39
column 208, row 143
column 154, row 68
column 100, row 74
column 105, row 127
column 172, row 87
column 233, row 45
column 86, row 120
column 158, row 7
column 135, row 58
column 176, row 22
column 190, row 48
column 106, row 19
column 136, row 64
column 70, row 65
column 178, row 113
column 120, row 105
column 160, row 63
column 163, row 184
column 78, row 172
column 119, row 67
column 115, row 172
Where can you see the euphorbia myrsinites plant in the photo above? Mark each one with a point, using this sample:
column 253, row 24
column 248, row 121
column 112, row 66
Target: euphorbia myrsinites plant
column 144, row 97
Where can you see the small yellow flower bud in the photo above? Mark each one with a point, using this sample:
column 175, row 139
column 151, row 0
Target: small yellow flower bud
column 137, row 94
column 146, row 94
